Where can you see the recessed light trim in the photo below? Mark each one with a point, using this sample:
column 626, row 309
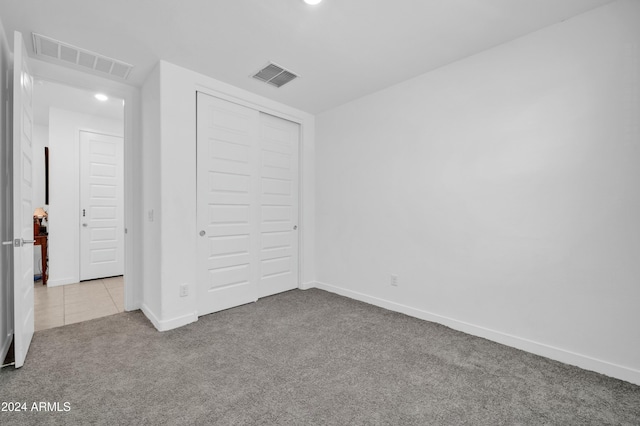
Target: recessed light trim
column 101, row 97
column 312, row 2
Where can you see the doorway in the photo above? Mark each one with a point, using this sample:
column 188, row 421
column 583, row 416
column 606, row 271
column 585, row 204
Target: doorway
column 85, row 206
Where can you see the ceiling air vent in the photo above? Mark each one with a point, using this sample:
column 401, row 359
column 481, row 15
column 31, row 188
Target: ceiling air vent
column 275, row 75
column 82, row 58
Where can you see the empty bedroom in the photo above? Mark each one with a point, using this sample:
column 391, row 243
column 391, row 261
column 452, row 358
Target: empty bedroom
column 405, row 213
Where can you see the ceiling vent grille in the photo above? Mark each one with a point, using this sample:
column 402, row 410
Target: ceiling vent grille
column 64, row 52
column 275, row 75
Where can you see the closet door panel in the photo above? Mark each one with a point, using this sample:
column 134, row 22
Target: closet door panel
column 279, row 142
column 228, row 240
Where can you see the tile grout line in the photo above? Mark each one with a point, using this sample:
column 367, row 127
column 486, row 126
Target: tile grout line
column 111, row 296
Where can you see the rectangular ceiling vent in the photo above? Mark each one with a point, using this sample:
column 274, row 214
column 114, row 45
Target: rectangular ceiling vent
column 64, row 52
column 275, row 75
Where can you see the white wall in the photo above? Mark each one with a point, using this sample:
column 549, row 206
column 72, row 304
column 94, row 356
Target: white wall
column 6, row 231
column 176, row 211
column 503, row 190
column 151, row 194
column 64, row 184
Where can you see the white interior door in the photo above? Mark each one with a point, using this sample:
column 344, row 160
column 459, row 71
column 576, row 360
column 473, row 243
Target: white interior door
column 22, row 205
column 279, row 141
column 101, row 206
column 247, row 189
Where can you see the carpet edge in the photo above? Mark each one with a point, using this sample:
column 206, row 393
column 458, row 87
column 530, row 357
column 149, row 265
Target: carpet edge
column 557, row 354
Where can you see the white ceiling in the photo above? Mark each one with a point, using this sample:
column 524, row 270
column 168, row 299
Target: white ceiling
column 54, row 95
column 343, row 49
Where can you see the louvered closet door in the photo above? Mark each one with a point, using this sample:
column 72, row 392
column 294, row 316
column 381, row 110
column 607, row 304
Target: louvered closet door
column 247, row 204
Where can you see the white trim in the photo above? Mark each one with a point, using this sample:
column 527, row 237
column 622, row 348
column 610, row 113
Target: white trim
column 170, row 324
column 300, row 221
column 255, row 105
column 308, row 285
column 557, row 354
column 5, row 346
column 62, row 281
column 6, row 226
column 150, row 316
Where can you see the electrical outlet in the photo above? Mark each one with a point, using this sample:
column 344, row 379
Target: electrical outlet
column 184, row 290
column 394, row 280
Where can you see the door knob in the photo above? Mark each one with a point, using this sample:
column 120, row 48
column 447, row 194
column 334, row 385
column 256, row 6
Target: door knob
column 202, row 233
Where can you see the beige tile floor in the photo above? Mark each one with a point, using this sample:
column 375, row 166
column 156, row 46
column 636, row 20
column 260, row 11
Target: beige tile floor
column 68, row 304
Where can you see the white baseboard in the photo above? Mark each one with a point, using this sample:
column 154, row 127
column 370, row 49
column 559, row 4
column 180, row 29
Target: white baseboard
column 131, row 300
column 133, row 307
column 150, row 316
column 170, row 324
column 6, row 344
column 583, row 361
column 62, row 281
column 307, row 285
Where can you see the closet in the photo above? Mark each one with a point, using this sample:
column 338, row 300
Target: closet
column 247, row 204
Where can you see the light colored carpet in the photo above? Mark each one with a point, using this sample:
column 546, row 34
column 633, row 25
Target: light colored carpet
column 302, row 358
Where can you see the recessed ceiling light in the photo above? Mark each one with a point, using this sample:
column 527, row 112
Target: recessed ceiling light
column 312, row 2
column 101, row 97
